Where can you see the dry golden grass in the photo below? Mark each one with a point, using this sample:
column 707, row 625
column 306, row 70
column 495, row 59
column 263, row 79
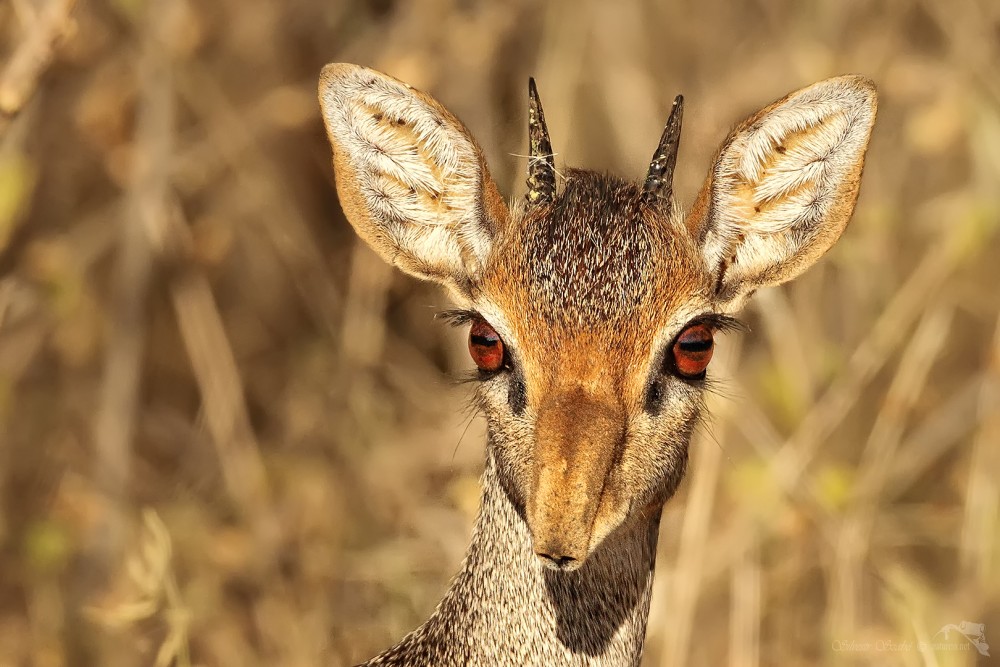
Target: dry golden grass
column 228, row 433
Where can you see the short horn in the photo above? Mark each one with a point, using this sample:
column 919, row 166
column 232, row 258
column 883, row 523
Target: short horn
column 541, row 162
column 659, row 186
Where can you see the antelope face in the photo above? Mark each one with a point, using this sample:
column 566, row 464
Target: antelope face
column 592, row 308
column 604, row 312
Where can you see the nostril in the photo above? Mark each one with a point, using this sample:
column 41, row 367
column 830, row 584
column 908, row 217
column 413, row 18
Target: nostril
column 556, row 561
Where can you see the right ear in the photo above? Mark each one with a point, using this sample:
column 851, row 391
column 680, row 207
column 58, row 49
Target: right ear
column 783, row 186
column 410, row 177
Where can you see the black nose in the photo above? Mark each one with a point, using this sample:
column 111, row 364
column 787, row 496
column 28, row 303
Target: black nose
column 558, row 562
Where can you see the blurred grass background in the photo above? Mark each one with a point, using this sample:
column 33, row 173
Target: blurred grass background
column 230, row 436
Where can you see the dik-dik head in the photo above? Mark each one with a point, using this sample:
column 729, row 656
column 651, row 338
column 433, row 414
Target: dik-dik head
column 593, row 303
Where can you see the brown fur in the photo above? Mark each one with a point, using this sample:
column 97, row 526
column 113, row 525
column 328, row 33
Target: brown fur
column 588, row 426
column 594, row 277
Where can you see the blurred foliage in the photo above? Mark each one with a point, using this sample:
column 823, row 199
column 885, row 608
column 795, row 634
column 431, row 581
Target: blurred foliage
column 229, row 435
column 16, row 184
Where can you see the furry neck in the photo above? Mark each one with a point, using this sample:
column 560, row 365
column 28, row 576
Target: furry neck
column 505, row 608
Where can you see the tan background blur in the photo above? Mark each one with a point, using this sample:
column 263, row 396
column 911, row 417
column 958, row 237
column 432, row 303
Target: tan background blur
column 230, row 436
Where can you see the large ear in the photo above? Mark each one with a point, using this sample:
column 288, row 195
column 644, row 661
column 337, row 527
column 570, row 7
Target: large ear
column 410, row 177
column 783, row 187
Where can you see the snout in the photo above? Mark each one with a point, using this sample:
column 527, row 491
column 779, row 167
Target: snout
column 578, row 437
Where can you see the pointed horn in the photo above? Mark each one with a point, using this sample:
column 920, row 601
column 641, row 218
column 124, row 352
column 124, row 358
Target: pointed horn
column 541, row 163
column 659, row 184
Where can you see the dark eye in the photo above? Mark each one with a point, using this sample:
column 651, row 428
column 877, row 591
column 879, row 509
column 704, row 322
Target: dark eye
column 693, row 350
column 485, row 346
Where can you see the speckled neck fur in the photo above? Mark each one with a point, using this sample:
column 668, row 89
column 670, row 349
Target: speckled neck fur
column 505, row 608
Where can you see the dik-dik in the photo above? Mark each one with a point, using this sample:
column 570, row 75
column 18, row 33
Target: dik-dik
column 592, row 304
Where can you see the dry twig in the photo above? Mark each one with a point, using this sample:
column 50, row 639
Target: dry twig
column 20, row 77
column 854, row 536
column 979, row 531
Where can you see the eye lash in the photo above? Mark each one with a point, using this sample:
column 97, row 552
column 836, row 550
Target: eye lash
column 719, row 322
column 458, row 316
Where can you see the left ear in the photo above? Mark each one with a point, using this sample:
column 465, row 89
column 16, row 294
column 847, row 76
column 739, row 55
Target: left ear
column 783, row 187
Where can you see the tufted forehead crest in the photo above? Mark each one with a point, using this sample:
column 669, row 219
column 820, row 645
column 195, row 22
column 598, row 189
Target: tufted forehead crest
column 596, row 253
